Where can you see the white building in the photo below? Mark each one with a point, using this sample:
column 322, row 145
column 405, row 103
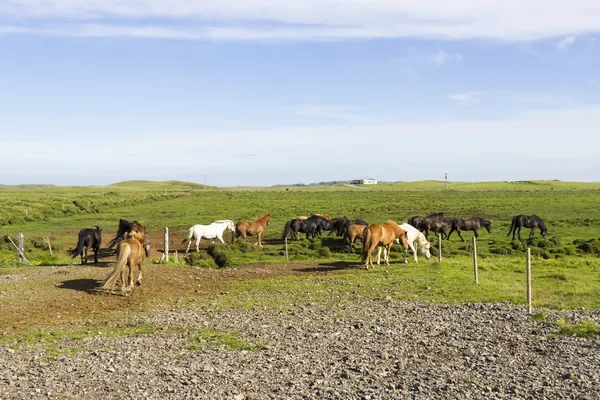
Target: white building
column 366, row 181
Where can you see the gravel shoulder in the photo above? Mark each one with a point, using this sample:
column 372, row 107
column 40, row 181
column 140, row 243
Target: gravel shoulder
column 372, row 350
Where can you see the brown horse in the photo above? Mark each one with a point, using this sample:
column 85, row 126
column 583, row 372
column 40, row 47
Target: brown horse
column 251, row 228
column 131, row 252
column 353, row 232
column 382, row 235
column 326, row 216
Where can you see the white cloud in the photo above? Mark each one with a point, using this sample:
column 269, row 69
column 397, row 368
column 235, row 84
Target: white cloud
column 303, row 19
column 466, row 99
column 565, row 43
column 345, row 150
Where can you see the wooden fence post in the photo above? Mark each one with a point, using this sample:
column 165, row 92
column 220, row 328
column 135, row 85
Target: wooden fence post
column 176, row 257
column 49, row 245
column 528, row 273
column 286, row 251
column 166, row 253
column 20, row 244
column 475, row 260
column 440, row 248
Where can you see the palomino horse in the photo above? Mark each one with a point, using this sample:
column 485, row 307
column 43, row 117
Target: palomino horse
column 251, row 228
column 131, row 252
column 88, row 239
column 382, row 234
column 525, row 221
column 472, row 224
column 414, row 236
column 212, row 231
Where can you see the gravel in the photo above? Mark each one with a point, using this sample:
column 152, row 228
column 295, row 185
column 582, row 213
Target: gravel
column 373, row 350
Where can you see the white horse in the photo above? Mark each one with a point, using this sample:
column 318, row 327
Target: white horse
column 414, row 236
column 213, row 231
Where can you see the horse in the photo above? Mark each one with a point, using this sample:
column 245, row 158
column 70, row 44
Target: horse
column 124, row 227
column 418, row 222
column 435, row 222
column 472, row 224
column 527, row 221
column 340, row 225
column 311, row 226
column 131, row 252
column 414, row 236
column 88, row 238
column 251, row 228
column 381, row 234
column 212, row 231
column 353, row 232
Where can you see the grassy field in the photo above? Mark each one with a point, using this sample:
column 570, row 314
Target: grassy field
column 566, row 263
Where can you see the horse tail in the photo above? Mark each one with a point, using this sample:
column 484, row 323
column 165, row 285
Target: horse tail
column 124, row 251
column 513, row 226
column 366, row 244
column 79, row 248
column 286, row 230
column 189, row 236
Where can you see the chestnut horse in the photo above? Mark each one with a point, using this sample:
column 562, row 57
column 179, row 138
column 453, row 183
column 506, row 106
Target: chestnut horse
column 131, row 252
column 251, row 228
column 382, row 235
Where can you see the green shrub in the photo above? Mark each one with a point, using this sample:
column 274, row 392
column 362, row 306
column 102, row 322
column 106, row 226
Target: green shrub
column 197, row 258
column 324, row 252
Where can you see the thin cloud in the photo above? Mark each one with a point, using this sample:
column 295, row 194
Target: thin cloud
column 466, row 99
column 565, row 43
column 275, row 20
column 336, row 112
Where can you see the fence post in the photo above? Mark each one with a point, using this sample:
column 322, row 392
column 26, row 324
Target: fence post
column 176, row 258
column 49, row 245
column 475, row 260
column 528, row 273
column 286, row 250
column 440, row 248
column 166, row 253
column 20, row 244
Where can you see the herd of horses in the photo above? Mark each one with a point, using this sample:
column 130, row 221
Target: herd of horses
column 133, row 246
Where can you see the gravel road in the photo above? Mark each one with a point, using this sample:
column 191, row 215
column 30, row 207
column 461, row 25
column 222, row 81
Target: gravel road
column 374, row 350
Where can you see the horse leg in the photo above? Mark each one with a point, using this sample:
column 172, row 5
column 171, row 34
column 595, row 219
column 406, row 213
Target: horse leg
column 139, row 279
column 450, row 233
column 459, row 235
column 260, row 239
column 198, row 243
column 96, row 255
column 379, row 255
column 518, row 232
column 189, row 244
column 84, row 255
column 220, row 237
column 386, row 252
column 531, row 233
column 475, row 233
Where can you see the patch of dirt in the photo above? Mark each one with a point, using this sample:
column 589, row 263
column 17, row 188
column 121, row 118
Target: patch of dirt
column 47, row 295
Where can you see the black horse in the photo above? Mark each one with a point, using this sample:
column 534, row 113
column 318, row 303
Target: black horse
column 472, row 224
column 311, row 226
column 526, row 221
column 88, row 238
column 435, row 222
column 124, row 227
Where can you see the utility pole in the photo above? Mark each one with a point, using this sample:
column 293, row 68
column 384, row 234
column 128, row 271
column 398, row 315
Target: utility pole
column 204, row 181
column 446, row 182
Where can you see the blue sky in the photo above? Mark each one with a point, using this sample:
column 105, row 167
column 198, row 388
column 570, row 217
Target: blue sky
column 266, row 92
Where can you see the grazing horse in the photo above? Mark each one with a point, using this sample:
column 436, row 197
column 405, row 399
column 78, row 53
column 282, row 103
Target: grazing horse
column 414, row 236
column 88, row 239
column 326, row 216
column 436, row 225
column 131, row 252
column 124, row 227
column 381, row 234
column 311, row 226
column 212, row 231
column 353, row 232
column 527, row 221
column 251, row 228
column 340, row 225
column 472, row 224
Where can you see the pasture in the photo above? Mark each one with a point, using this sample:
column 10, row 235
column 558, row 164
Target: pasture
column 566, row 263
column 52, row 307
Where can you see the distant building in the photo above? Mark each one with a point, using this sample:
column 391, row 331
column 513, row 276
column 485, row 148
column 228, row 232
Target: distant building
column 366, row 181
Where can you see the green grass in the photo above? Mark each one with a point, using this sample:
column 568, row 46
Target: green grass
column 566, row 263
column 585, row 328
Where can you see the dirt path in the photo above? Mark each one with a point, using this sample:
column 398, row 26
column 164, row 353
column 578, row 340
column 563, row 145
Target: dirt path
column 55, row 295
